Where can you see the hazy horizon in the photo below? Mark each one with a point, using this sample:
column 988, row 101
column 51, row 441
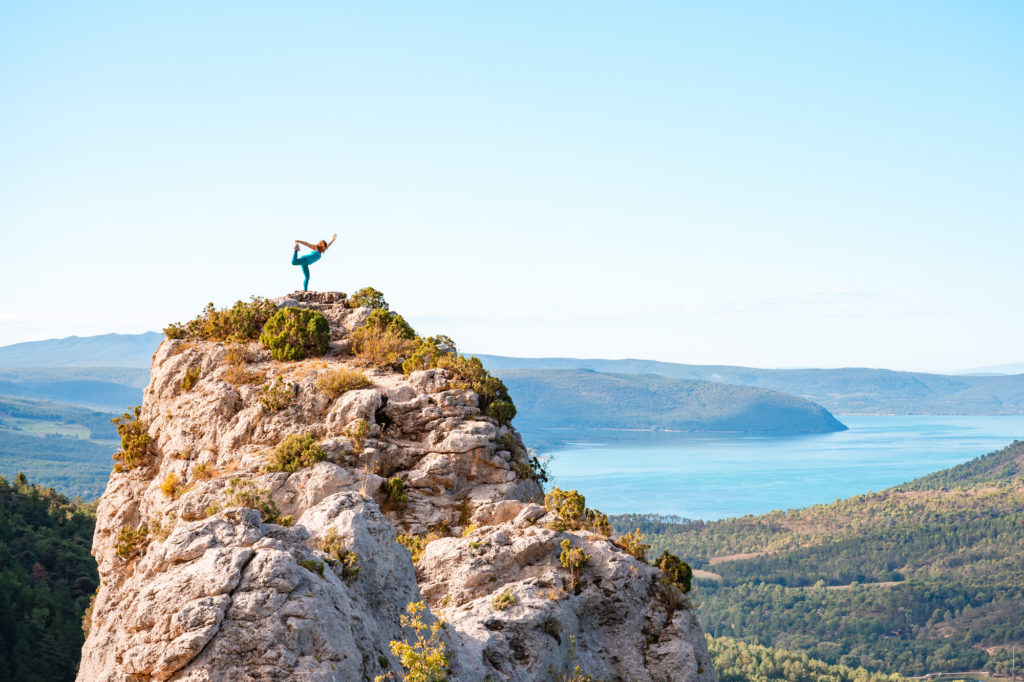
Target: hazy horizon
column 1010, row 368
column 743, row 184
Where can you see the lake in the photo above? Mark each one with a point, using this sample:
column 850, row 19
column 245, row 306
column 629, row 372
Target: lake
column 713, row 476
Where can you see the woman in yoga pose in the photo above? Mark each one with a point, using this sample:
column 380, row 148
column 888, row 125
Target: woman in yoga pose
column 309, row 258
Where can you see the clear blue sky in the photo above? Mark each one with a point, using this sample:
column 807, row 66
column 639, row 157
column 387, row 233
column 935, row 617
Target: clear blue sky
column 770, row 184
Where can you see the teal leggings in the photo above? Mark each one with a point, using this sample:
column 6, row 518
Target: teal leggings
column 305, row 262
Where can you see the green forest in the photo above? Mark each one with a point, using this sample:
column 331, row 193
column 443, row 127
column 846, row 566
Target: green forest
column 47, row 577
column 926, row 577
column 56, row 445
column 737, row 661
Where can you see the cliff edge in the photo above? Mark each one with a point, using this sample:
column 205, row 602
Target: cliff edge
column 249, row 529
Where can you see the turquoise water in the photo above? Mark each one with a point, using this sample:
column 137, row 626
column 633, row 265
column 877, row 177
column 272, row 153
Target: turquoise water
column 713, row 476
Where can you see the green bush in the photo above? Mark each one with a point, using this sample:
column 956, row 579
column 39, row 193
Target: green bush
column 539, row 469
column 573, row 559
column 296, row 452
column 357, row 434
column 470, row 373
column 504, row 600
column 368, row 297
column 296, row 333
column 396, row 490
column 239, row 323
column 416, row 544
column 338, row 555
column 190, row 380
column 338, row 381
column 172, row 487
column 384, row 340
column 424, row 658
column 313, row 566
column 634, row 544
column 278, row 395
column 430, row 349
column 136, row 443
column 676, row 571
column 244, row 493
column 130, row 542
column 573, row 513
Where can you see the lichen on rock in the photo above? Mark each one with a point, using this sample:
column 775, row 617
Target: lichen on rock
column 264, row 566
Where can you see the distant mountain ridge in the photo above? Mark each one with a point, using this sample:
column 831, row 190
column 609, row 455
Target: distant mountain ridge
column 547, row 399
column 105, row 372
column 106, row 350
column 1012, row 368
column 583, row 398
column 842, row 391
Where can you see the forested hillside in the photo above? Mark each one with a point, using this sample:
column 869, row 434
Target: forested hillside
column 922, row 578
column 63, row 446
column 737, row 661
column 47, row 577
column 996, row 468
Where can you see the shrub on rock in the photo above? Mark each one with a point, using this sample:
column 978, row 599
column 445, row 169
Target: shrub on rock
column 470, row 373
column 385, row 340
column 241, row 322
column 368, row 297
column 573, row 513
column 296, row 333
column 338, row 381
column 676, row 571
column 296, row 452
column 634, row 544
column 136, row 442
column 278, row 395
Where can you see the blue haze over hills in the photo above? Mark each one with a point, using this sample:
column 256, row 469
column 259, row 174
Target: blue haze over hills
column 109, row 371
column 851, row 390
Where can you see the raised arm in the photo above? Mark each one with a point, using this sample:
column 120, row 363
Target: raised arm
column 306, row 244
column 331, row 242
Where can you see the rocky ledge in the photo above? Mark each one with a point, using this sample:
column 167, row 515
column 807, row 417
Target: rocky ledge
column 213, row 566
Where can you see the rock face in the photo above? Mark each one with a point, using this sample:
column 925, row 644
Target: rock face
column 216, row 588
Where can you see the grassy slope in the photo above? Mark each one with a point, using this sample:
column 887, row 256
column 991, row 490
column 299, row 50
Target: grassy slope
column 937, row 571
column 587, row 399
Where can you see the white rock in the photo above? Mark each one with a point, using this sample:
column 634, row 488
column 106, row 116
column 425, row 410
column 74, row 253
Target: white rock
column 219, row 594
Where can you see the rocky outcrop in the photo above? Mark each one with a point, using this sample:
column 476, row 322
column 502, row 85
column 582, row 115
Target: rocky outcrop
column 214, row 568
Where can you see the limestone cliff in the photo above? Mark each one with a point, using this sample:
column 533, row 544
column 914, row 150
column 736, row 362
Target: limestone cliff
column 204, row 578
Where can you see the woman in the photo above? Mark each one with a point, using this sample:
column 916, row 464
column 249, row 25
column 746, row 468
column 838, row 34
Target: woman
column 309, row 258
